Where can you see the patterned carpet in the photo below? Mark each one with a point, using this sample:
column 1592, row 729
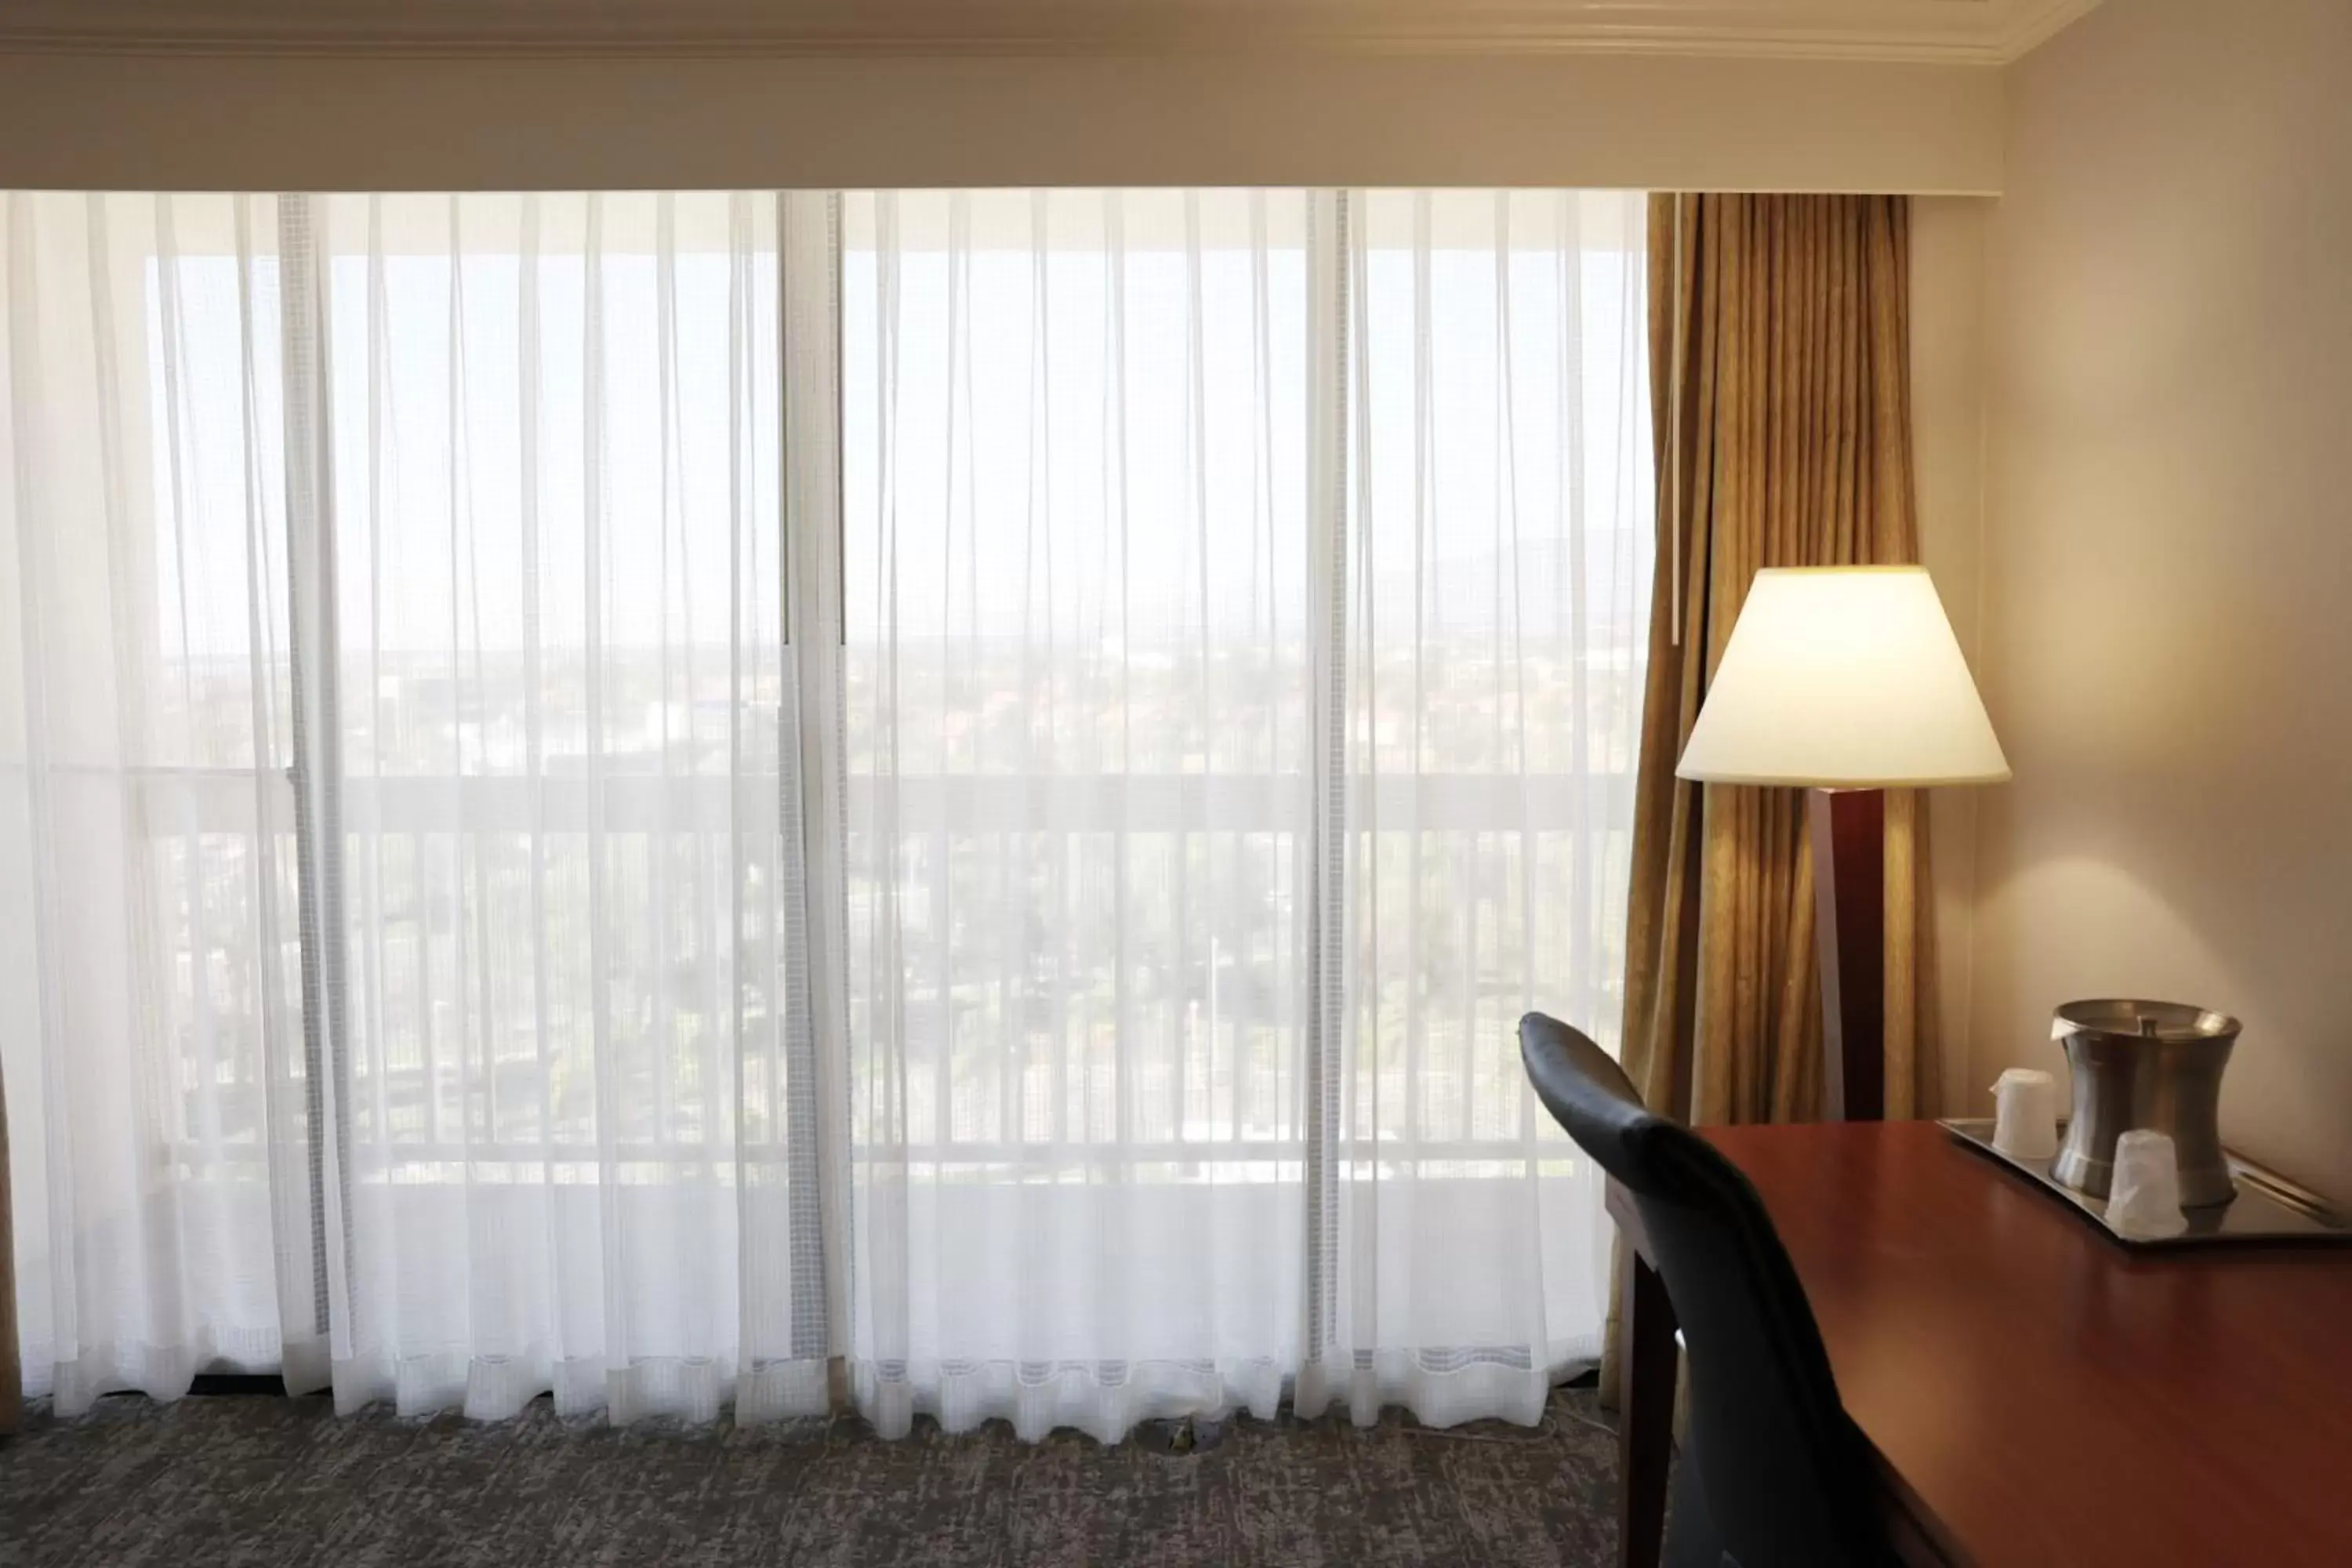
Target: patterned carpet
column 248, row 1480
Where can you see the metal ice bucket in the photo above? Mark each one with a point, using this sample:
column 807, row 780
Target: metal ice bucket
column 2146, row 1064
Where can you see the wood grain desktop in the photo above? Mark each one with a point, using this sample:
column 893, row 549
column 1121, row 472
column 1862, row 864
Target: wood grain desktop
column 2035, row 1393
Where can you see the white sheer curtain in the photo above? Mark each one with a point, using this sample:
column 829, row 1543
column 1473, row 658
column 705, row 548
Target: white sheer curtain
column 566, row 870
column 1495, row 612
column 150, row 1023
column 523, row 454
column 1075, row 690
column 1242, row 679
column 626, row 795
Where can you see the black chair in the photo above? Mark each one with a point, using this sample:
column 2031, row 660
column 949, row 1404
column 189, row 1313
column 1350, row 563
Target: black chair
column 1773, row 1473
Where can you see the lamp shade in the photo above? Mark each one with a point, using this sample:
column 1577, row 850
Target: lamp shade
column 1843, row 677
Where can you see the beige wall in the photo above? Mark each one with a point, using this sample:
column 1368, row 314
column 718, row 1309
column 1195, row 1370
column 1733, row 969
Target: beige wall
column 2166, row 642
column 1948, row 328
column 140, row 124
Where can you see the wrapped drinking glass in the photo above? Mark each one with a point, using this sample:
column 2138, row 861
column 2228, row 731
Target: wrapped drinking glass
column 2145, row 1201
column 2025, row 1114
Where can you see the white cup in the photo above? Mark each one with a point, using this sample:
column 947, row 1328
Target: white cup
column 2025, row 1115
column 2144, row 1200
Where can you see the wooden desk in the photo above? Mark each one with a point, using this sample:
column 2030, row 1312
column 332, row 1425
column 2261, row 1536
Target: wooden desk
column 2035, row 1394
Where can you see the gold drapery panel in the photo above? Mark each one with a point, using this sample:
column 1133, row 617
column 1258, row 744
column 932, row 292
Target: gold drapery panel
column 1791, row 394
column 1795, row 415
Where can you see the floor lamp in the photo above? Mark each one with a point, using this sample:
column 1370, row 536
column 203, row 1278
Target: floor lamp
column 1846, row 681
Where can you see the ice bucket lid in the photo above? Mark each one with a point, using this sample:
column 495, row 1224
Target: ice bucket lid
column 2135, row 1019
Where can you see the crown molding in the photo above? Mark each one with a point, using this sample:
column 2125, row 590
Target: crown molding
column 1945, row 32
column 2036, row 23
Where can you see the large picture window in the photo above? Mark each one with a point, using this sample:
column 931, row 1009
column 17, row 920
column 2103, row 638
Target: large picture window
column 632, row 794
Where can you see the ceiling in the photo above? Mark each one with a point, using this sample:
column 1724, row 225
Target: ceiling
column 1980, row 31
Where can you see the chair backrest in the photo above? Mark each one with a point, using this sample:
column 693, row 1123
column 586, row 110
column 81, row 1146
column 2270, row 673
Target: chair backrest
column 1784, row 1473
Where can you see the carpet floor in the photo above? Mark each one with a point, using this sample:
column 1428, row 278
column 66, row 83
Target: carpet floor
column 248, row 1480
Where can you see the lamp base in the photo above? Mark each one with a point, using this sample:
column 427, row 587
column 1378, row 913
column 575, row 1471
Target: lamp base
column 1849, row 837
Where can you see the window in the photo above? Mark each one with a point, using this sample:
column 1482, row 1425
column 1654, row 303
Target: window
column 672, row 786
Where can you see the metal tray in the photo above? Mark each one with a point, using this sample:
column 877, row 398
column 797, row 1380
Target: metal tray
column 2268, row 1208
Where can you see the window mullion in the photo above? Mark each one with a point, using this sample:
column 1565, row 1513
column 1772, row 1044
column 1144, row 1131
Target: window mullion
column 813, row 777
column 1330, row 285
column 316, row 771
